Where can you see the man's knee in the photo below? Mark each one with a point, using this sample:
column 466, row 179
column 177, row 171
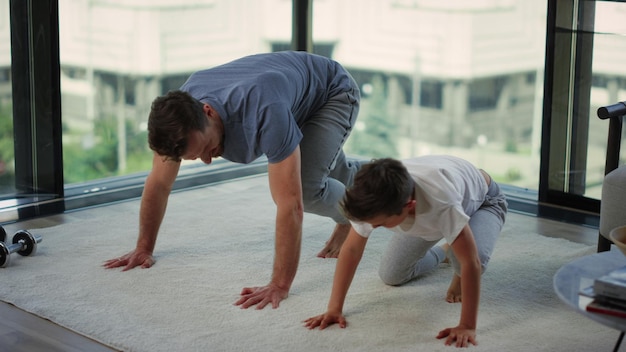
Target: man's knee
column 311, row 196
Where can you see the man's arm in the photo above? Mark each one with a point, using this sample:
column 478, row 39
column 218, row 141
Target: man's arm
column 286, row 189
column 153, row 204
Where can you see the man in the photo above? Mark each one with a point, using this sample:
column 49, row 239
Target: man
column 295, row 108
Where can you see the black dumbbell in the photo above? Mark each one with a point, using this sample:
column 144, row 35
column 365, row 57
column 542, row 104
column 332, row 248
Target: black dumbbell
column 24, row 243
column 3, row 234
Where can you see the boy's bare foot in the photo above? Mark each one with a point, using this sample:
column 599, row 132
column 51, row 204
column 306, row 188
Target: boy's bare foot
column 454, row 291
column 333, row 245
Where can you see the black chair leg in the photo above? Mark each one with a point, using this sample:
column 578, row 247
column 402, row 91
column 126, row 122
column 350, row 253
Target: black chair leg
column 604, row 244
column 619, row 342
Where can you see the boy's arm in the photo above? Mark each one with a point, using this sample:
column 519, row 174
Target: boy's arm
column 347, row 263
column 466, row 253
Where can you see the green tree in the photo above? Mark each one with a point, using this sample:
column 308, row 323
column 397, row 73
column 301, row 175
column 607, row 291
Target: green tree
column 6, row 133
column 99, row 159
column 91, row 157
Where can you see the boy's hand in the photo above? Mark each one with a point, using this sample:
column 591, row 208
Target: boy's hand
column 325, row 320
column 463, row 336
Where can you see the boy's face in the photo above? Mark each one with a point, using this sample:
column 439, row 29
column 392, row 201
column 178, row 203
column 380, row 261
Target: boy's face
column 390, row 221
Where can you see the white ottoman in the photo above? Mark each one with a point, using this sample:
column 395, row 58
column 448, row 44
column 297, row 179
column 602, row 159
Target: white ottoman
column 613, row 202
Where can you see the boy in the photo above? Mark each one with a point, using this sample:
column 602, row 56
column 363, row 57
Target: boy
column 422, row 200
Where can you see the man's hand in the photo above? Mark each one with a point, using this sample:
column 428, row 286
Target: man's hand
column 261, row 296
column 463, row 336
column 325, row 320
column 130, row 260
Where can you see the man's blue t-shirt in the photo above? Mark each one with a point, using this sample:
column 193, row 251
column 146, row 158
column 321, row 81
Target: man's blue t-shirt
column 264, row 99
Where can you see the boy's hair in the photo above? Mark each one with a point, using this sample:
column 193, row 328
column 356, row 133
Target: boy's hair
column 172, row 117
column 381, row 187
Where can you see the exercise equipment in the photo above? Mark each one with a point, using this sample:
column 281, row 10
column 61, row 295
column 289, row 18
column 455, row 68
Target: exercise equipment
column 24, row 243
column 3, row 234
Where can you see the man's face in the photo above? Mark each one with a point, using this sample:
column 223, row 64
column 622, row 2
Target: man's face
column 204, row 145
column 209, row 143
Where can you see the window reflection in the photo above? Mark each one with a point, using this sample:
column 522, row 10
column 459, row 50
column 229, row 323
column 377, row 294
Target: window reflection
column 463, row 79
column 7, row 164
column 117, row 56
column 436, row 77
column 608, row 86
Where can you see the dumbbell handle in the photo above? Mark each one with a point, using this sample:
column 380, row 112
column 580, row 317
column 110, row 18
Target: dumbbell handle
column 19, row 247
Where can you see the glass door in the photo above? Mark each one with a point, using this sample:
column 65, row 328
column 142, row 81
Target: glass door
column 586, row 51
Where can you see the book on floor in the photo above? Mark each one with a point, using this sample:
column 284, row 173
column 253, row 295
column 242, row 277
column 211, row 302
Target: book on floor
column 612, row 284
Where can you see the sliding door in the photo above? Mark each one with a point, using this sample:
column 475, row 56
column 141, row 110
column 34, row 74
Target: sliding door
column 585, row 71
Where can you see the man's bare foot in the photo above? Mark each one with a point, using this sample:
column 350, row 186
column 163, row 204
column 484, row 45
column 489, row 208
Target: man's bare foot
column 454, row 291
column 333, row 245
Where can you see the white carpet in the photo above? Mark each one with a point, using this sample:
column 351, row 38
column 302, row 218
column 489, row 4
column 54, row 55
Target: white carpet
column 218, row 239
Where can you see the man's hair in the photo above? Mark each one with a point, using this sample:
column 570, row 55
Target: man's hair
column 172, row 117
column 381, row 187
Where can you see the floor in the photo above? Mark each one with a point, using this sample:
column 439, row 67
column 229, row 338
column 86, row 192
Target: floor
column 22, row 331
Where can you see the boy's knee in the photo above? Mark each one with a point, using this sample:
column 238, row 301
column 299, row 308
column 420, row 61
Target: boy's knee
column 391, row 278
column 484, row 260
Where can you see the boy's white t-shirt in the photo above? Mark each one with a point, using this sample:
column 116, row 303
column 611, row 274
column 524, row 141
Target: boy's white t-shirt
column 447, row 191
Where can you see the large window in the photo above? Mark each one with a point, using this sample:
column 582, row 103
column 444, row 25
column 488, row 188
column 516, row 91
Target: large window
column 462, row 78
column 511, row 85
column 117, row 56
column 436, row 77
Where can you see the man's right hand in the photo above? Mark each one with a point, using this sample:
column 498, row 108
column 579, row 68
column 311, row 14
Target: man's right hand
column 130, row 260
